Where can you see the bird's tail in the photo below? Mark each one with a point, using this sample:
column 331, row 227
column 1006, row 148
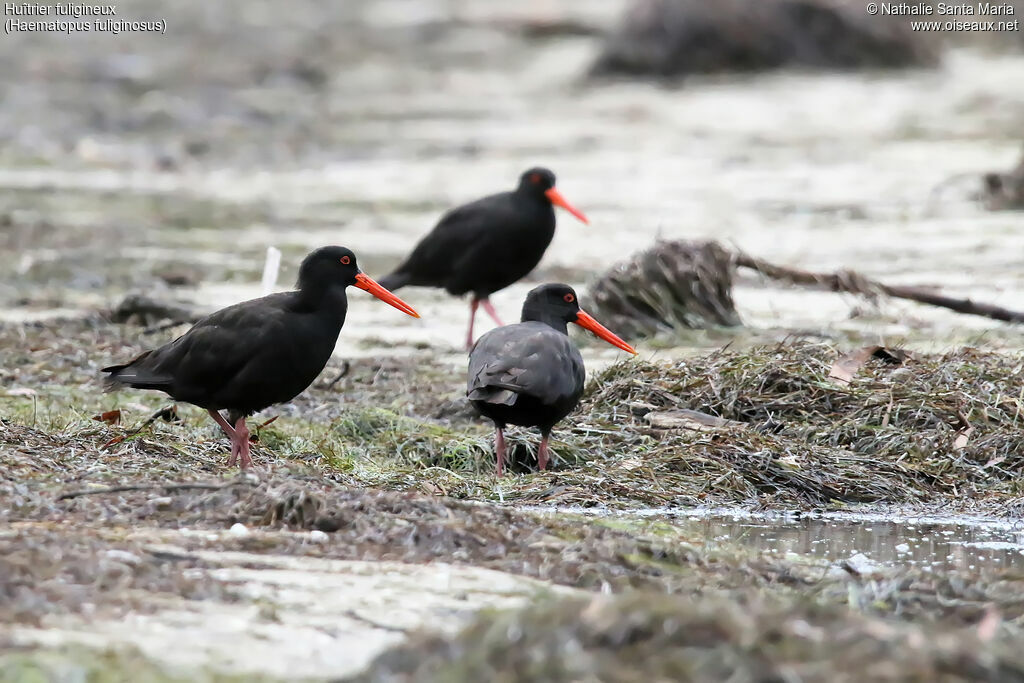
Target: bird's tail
column 394, row 281
column 134, row 374
column 495, row 395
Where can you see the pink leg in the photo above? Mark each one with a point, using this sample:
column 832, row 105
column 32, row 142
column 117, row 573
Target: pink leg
column 473, row 303
column 542, row 453
column 499, row 449
column 215, row 414
column 233, row 434
column 240, row 445
column 491, row 312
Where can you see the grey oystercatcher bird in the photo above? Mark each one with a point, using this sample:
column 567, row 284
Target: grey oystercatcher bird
column 530, row 373
column 486, row 245
column 249, row 356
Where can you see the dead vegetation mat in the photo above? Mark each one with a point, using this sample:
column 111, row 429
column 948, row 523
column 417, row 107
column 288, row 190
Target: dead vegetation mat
column 794, row 425
column 643, row 637
column 931, row 428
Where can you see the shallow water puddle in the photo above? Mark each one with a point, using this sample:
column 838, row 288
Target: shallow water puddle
column 929, row 546
column 865, row 541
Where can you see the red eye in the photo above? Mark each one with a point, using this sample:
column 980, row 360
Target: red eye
column 346, row 260
column 535, row 178
column 569, row 298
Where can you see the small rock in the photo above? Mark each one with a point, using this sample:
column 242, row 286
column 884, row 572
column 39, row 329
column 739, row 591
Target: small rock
column 144, row 310
column 859, row 563
column 901, row 375
column 166, row 551
column 179, row 276
column 328, row 523
column 1004, row 191
column 317, row 536
column 124, row 556
column 457, row 409
column 902, row 548
column 239, row 529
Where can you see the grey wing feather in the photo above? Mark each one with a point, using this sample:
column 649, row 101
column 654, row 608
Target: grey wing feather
column 526, row 358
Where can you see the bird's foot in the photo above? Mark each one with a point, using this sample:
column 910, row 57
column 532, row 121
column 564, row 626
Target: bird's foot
column 236, row 439
column 240, row 456
column 240, row 446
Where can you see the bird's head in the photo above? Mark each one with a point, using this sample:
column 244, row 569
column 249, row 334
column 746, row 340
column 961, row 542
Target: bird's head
column 332, row 266
column 560, row 302
column 541, row 182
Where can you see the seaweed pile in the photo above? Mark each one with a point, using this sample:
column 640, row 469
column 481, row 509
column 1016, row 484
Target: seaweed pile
column 937, row 430
column 938, row 427
column 649, row 637
column 672, row 38
column 672, row 285
column 933, row 430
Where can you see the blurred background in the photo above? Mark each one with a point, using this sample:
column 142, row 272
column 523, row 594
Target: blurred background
column 807, row 133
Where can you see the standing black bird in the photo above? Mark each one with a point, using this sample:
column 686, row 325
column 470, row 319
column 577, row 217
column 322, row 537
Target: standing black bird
column 486, row 245
column 530, row 373
column 249, row 356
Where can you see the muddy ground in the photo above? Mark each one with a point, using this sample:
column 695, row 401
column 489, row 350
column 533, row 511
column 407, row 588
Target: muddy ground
column 372, row 524
column 123, row 532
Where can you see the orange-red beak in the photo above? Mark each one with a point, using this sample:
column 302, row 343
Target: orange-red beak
column 558, row 200
column 367, row 284
column 583, row 319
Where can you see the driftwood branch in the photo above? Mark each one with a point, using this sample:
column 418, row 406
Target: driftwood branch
column 855, row 283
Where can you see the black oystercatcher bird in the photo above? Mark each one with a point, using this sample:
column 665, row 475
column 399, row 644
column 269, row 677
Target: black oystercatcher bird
column 486, row 245
column 530, row 373
column 249, row 356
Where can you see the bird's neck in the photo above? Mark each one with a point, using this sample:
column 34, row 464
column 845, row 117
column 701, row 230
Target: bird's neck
column 551, row 320
column 325, row 299
column 537, row 198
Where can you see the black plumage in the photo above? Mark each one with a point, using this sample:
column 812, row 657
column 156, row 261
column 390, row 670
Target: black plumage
column 257, row 353
column 486, row 245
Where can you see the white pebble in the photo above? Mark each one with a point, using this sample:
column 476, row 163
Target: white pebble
column 123, row 556
column 861, row 564
column 238, row 529
column 317, row 536
column 902, row 548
